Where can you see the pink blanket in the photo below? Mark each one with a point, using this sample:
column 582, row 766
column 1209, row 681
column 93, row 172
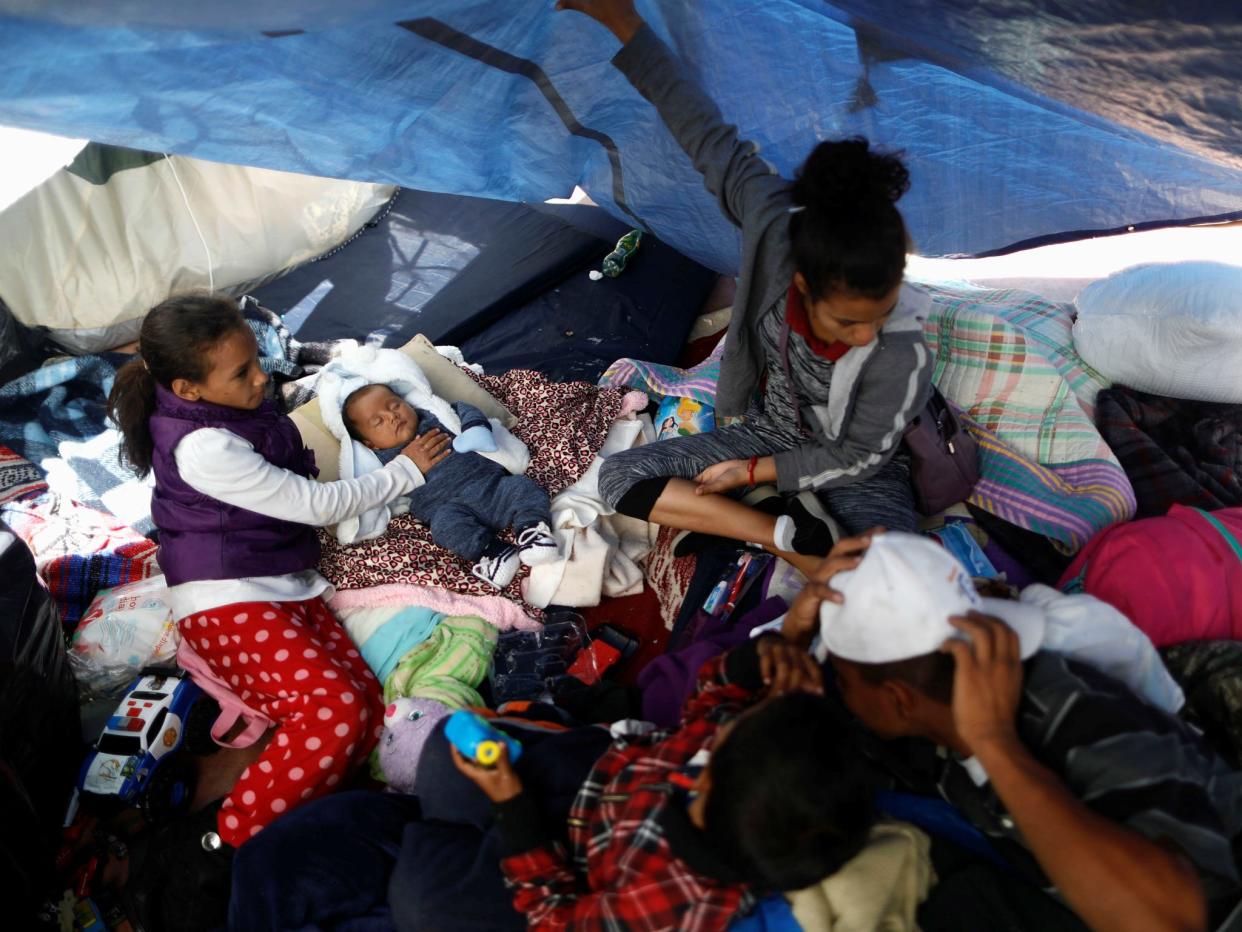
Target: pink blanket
column 500, row 612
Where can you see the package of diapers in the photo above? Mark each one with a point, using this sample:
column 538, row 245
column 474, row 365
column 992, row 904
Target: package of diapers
column 124, row 630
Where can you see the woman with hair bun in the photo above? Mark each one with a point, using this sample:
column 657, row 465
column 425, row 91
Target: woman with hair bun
column 824, row 331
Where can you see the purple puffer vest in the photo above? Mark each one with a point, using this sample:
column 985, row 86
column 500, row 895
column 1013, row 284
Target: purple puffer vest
column 204, row 538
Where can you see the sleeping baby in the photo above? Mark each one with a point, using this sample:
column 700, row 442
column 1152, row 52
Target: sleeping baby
column 466, row 498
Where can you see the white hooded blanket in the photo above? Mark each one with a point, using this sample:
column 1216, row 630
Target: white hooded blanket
column 360, row 366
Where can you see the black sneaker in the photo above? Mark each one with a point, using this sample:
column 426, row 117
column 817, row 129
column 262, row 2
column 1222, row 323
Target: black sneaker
column 815, row 531
column 765, row 498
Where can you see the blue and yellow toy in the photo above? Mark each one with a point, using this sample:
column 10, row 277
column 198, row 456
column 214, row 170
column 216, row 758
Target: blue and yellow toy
column 477, row 740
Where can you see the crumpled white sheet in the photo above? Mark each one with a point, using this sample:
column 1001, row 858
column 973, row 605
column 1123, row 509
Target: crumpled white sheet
column 601, row 551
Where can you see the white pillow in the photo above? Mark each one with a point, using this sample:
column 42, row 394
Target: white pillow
column 1172, row 329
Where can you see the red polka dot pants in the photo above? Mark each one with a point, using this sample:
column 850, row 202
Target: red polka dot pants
column 294, row 662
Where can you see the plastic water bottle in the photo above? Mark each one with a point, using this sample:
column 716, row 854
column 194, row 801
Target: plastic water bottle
column 615, row 261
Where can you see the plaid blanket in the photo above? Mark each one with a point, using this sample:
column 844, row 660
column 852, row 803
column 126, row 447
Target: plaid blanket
column 18, row 477
column 660, row 381
column 281, row 356
column 56, row 418
column 1175, row 452
column 1007, row 359
column 78, row 550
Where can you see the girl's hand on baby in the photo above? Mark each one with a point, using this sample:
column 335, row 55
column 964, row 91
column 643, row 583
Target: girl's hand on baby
column 429, row 449
column 731, row 474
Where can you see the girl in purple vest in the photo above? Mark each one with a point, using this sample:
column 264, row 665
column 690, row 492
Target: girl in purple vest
column 236, row 507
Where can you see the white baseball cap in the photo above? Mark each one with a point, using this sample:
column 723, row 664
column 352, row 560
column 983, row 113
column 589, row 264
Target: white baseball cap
column 899, row 600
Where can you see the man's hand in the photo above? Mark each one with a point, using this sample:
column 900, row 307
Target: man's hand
column 787, row 668
column 429, row 449
column 802, row 620
column 987, row 681
column 618, row 16
column 731, row 474
column 499, row 783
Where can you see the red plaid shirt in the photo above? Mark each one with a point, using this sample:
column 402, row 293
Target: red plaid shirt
column 620, row 872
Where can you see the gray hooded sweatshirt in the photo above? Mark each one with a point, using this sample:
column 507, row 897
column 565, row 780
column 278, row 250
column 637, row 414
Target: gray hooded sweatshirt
column 854, row 424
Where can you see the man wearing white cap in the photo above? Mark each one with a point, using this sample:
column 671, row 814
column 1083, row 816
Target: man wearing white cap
column 1124, row 810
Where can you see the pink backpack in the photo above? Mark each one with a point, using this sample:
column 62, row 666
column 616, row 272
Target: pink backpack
column 231, row 706
column 1178, row 578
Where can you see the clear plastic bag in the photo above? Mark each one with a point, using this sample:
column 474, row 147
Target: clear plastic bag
column 124, row 630
column 530, row 664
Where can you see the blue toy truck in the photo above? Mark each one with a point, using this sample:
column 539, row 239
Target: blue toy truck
column 136, row 762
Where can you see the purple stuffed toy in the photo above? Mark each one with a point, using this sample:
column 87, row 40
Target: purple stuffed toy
column 408, row 723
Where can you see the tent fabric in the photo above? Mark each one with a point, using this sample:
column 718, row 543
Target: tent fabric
column 436, row 264
column 578, row 329
column 507, row 282
column 1019, row 119
column 91, row 249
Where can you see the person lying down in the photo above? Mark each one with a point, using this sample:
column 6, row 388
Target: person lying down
column 465, row 498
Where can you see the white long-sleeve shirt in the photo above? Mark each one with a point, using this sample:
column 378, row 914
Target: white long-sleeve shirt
column 219, row 463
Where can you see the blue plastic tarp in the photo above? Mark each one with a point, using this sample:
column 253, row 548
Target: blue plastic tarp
column 1017, row 122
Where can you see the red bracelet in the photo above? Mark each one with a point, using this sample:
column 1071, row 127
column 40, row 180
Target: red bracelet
column 750, row 470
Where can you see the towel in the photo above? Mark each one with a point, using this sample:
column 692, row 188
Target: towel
column 878, row 890
column 600, row 550
column 359, row 366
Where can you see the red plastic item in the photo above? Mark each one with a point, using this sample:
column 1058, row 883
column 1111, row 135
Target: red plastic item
column 84, row 875
column 593, row 661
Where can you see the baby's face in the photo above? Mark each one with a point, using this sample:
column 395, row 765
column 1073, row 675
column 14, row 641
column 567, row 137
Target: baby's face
column 381, row 417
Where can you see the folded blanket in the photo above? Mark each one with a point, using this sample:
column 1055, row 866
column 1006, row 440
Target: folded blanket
column 1175, row 452
column 1067, row 503
column 385, row 635
column 447, row 666
column 559, row 456
column 19, row 478
column 599, row 549
column 1007, row 358
column 359, row 366
column 502, row 613
column 78, row 550
column 661, row 381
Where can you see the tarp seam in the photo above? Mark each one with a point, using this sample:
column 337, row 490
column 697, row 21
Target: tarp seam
column 442, row 34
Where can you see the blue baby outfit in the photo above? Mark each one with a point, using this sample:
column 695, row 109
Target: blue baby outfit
column 468, row 498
